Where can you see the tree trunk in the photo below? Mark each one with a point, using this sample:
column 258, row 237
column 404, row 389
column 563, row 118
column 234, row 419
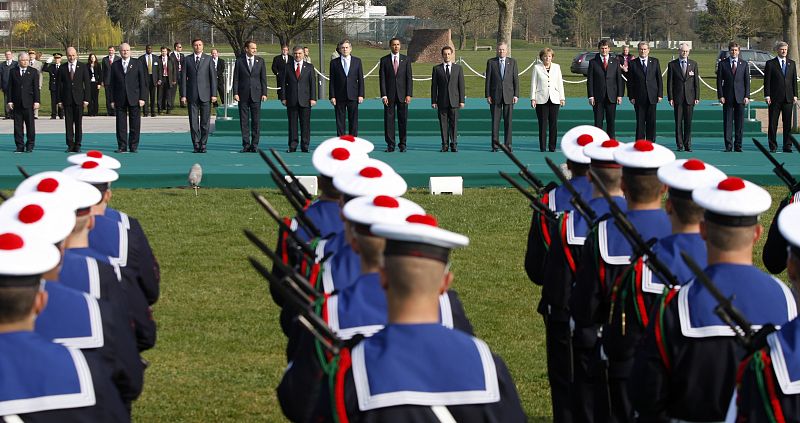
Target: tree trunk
column 475, row 41
column 790, row 33
column 505, row 21
column 462, row 36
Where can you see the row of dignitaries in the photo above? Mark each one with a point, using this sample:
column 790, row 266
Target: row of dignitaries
column 623, row 344
column 408, row 351
column 75, row 312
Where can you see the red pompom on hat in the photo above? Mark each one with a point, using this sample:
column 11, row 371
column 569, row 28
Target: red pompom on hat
column 340, row 153
column 9, row 241
column 348, row 138
column 424, row 219
column 31, row 213
column 610, row 144
column 731, row 183
column 47, row 185
column 585, row 139
column 371, row 172
column 643, row 145
column 95, row 154
column 694, row 164
column 89, row 165
column 386, row 201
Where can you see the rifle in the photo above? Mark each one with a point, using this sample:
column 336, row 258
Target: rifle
column 527, row 175
column 796, row 144
column 779, row 169
column 283, row 186
column 306, row 249
column 25, row 175
column 297, row 281
column 298, row 195
column 306, row 315
column 752, row 340
column 580, row 205
column 536, row 204
column 291, row 174
column 640, row 247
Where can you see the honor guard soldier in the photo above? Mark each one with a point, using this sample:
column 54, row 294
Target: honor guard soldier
column 603, row 292
column 107, row 241
column 141, row 256
column 74, row 318
column 681, row 177
column 558, row 198
column 687, row 364
column 44, row 381
column 768, row 382
column 570, row 382
column 415, row 369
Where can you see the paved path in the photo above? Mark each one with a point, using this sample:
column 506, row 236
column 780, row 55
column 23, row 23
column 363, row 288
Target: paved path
column 107, row 125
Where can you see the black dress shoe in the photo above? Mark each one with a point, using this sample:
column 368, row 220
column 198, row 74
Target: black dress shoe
column 443, row 150
column 402, row 149
column 388, row 150
column 688, row 149
column 120, row 151
column 29, row 150
column 773, row 150
column 195, row 151
column 728, row 150
column 245, row 150
column 133, row 150
column 494, row 150
column 680, row 148
column 787, row 150
column 68, row 150
column 19, row 150
column 304, row 150
column 454, row 150
column 203, row 150
column 738, row 150
column 291, row 150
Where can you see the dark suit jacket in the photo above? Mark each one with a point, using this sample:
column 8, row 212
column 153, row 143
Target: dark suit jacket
column 23, row 90
column 605, row 84
column 177, row 70
column 156, row 58
column 128, row 88
column 502, row 89
column 107, row 68
column 53, row 71
column 220, row 70
column 346, row 87
column 278, row 64
column 680, row 88
column 396, row 87
column 248, row 84
column 445, row 93
column 733, row 87
column 777, row 87
column 200, row 82
column 4, row 73
column 298, row 92
column 645, row 87
column 75, row 90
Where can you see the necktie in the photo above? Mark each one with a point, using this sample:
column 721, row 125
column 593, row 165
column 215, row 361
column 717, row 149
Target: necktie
column 346, row 64
column 783, row 67
column 502, row 69
column 733, row 67
column 395, row 65
column 644, row 65
column 164, row 66
column 196, row 61
column 605, row 63
column 149, row 64
column 683, row 67
column 180, row 64
column 250, row 64
column 297, row 70
column 447, row 71
column 125, row 66
column 71, row 71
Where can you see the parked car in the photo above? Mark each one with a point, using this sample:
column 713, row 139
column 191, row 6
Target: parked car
column 757, row 59
column 580, row 64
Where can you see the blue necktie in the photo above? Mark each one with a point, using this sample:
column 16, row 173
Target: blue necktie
column 783, row 67
column 502, row 69
column 346, row 64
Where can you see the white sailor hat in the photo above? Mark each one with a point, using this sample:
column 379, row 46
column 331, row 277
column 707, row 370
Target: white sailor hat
column 66, row 188
column 357, row 142
column 602, row 153
column 419, row 236
column 684, row 176
column 335, row 154
column 372, row 210
column 371, row 177
column 573, row 142
column 789, row 227
column 103, row 160
column 91, row 172
column 25, row 255
column 643, row 156
column 39, row 215
column 733, row 202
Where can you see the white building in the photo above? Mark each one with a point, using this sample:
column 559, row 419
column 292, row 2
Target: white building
column 11, row 12
column 357, row 9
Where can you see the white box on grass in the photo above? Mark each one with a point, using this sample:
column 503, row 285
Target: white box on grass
column 446, row 185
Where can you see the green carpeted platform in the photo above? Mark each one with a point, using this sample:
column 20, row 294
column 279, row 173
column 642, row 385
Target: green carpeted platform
column 475, row 119
column 164, row 160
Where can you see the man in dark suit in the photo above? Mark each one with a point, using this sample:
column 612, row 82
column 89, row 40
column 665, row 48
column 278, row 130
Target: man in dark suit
column 105, row 64
column 447, row 96
column 683, row 92
column 128, row 85
column 502, row 93
column 645, row 90
column 346, row 88
column 151, row 71
column 73, row 84
column 199, row 90
column 397, row 86
column 299, row 94
column 177, row 73
column 164, row 82
column 5, row 72
column 780, row 92
column 219, row 67
column 52, row 69
column 249, row 90
column 280, row 61
column 23, row 87
column 605, row 87
column 733, row 91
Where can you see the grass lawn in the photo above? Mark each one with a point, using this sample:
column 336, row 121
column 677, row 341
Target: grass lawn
column 220, row 352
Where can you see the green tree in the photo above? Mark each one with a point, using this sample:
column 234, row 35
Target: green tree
column 128, row 15
column 573, row 19
column 725, row 20
column 237, row 20
column 66, row 21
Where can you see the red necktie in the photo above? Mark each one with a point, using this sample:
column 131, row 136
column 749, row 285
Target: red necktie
column 297, row 71
column 734, row 67
column 395, row 65
column 605, row 63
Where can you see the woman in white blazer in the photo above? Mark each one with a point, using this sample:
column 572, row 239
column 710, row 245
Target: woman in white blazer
column 547, row 97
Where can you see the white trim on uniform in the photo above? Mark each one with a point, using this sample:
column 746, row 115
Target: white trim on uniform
column 602, row 232
column 95, row 340
column 788, row 386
